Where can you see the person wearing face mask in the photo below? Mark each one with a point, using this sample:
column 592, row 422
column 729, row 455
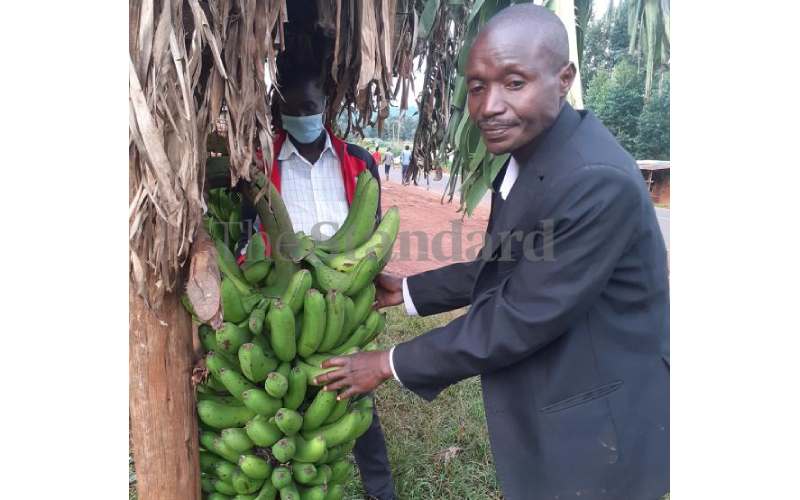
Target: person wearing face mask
column 315, row 173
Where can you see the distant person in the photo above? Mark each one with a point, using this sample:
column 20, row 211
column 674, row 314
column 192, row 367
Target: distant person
column 405, row 161
column 388, row 159
column 376, row 155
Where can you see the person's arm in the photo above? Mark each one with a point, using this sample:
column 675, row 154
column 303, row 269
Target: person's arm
column 595, row 221
column 596, row 213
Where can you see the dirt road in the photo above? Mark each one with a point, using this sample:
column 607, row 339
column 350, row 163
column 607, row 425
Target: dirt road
column 432, row 234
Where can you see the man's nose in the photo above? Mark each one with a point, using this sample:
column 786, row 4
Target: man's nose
column 494, row 104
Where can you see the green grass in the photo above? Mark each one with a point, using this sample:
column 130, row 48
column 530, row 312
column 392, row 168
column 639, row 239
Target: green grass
column 437, row 450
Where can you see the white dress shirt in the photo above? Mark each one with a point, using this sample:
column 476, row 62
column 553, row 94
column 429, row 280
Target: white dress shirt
column 512, row 173
column 314, row 194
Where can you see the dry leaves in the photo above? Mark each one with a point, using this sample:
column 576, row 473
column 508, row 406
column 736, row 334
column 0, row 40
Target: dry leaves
column 447, row 454
column 187, row 59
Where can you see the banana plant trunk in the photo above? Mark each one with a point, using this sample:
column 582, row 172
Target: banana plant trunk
column 162, row 407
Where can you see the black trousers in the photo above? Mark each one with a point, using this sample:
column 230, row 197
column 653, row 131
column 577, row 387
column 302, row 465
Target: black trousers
column 373, row 461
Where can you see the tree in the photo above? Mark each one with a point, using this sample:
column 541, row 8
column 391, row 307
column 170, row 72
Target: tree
column 617, row 99
column 652, row 141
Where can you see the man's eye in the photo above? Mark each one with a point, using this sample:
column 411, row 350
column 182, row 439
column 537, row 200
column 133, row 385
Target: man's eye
column 516, row 84
column 475, row 89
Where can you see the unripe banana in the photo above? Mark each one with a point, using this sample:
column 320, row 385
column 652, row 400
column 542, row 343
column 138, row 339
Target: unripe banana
column 319, row 410
column 282, row 331
column 256, row 272
column 323, row 475
column 338, row 410
column 360, row 220
column 381, row 242
column 208, row 337
column 217, row 360
column 257, row 317
column 334, row 320
column 363, row 423
column 281, row 477
column 224, row 487
column 254, row 466
column 276, row 385
column 222, row 400
column 213, row 443
column 230, row 338
column 260, row 402
column 340, row 471
column 208, row 461
column 235, row 383
column 363, row 333
column 363, row 274
column 312, row 372
column 288, row 421
column 314, row 493
column 255, row 364
column 267, row 492
column 304, row 473
column 379, row 327
column 263, row 431
column 243, row 484
column 310, row 451
column 335, row 492
column 290, row 492
column 207, row 485
column 296, row 291
column 349, row 314
column 256, row 249
column 232, row 307
column 296, row 392
column 284, row 369
column 230, row 270
column 362, row 305
column 235, row 225
column 224, row 470
column 284, row 450
column 313, row 327
column 338, row 432
column 222, row 416
column 212, row 383
column 236, row 438
column 262, row 342
column 337, row 452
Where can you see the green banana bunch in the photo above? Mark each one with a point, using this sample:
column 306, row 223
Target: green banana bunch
column 360, row 221
column 267, row 431
column 381, row 243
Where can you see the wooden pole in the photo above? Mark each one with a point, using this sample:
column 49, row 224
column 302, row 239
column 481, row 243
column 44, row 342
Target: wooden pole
column 162, row 406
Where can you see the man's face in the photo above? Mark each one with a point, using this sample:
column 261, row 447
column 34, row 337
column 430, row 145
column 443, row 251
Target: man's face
column 302, row 100
column 514, row 92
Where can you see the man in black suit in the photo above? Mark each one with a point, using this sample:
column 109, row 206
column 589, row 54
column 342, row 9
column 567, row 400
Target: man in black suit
column 569, row 319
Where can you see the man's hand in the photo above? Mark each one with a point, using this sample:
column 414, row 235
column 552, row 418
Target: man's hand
column 389, row 290
column 359, row 373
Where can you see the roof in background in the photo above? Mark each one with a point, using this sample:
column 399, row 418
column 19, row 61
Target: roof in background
column 653, row 164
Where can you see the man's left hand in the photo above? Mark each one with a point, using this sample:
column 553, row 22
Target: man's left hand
column 359, row 373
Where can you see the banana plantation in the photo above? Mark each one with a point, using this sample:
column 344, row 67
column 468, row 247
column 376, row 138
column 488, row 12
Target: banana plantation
column 225, row 343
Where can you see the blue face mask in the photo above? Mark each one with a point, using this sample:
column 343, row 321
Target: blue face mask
column 305, row 129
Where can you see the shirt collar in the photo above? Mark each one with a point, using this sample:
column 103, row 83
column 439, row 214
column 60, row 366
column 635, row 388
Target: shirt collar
column 288, row 149
column 512, row 172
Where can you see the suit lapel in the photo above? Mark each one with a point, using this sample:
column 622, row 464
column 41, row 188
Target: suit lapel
column 532, row 176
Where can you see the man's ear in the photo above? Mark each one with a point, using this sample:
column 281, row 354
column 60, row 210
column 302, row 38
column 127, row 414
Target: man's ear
column 565, row 78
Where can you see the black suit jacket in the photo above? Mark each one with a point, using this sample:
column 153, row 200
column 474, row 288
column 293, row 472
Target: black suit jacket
column 568, row 325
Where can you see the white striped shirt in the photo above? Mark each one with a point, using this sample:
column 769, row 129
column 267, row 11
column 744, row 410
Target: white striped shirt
column 314, row 194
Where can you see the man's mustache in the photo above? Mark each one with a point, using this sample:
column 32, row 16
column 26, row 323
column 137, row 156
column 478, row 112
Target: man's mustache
column 494, row 123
